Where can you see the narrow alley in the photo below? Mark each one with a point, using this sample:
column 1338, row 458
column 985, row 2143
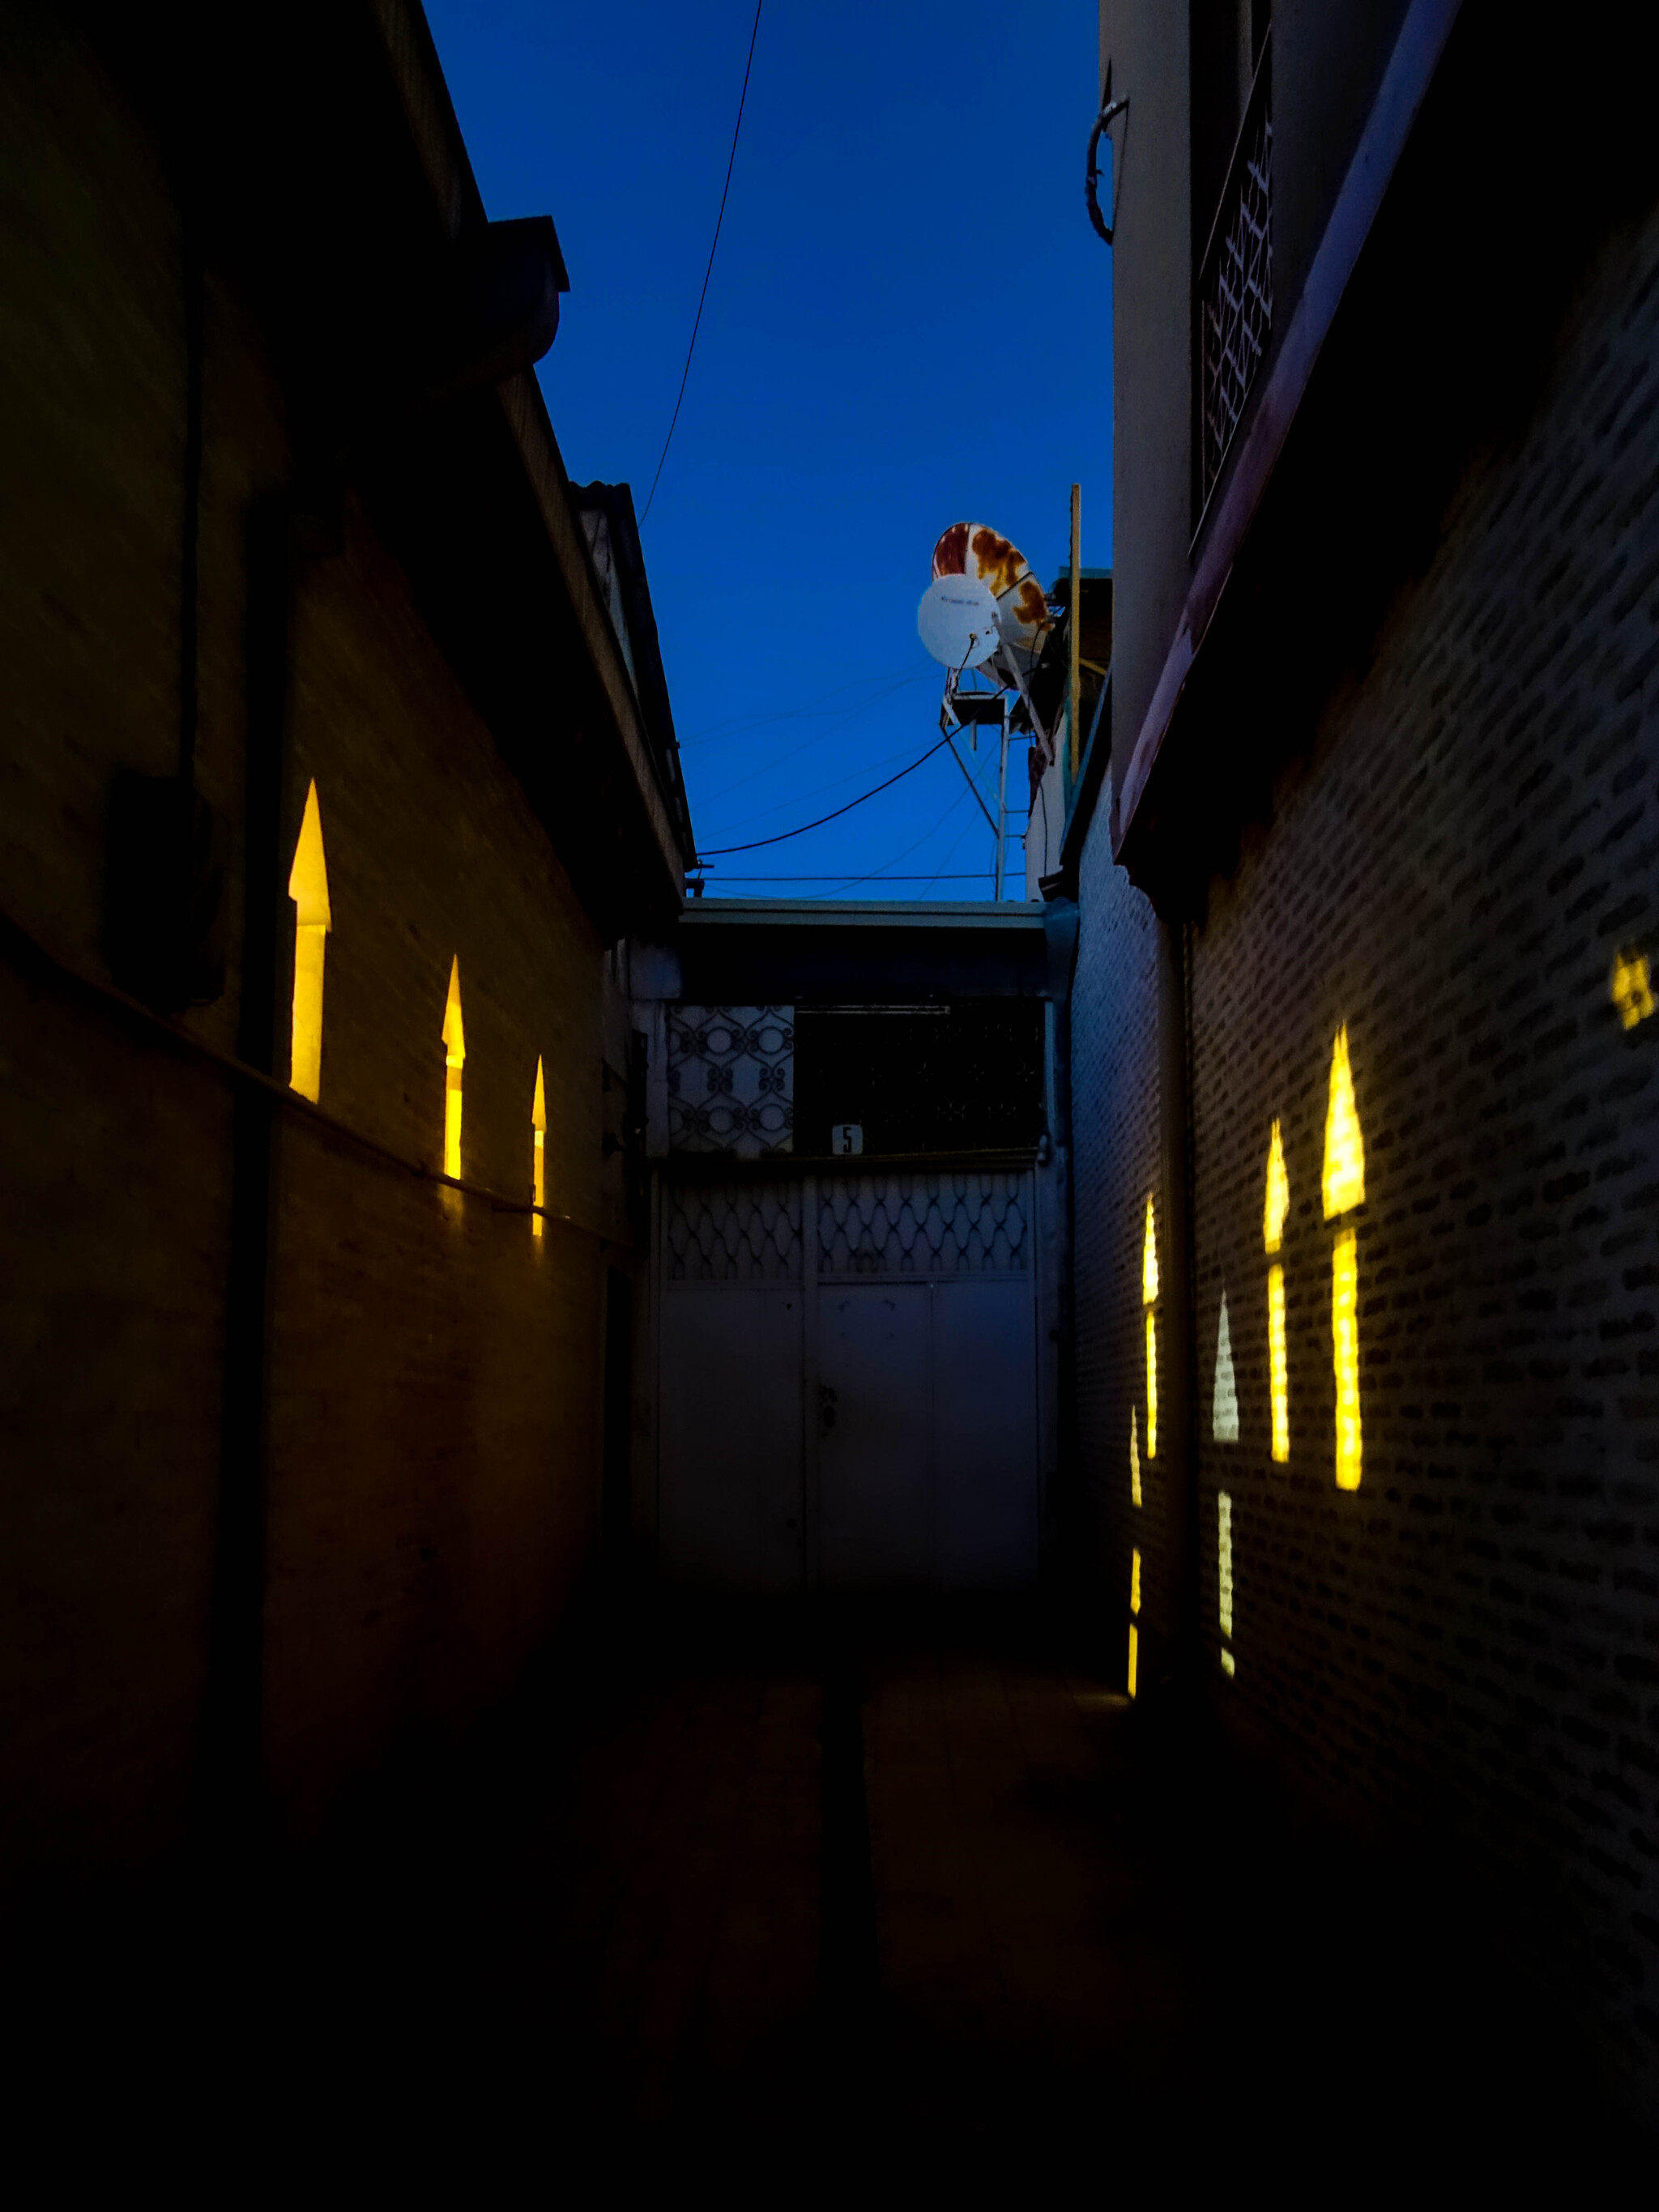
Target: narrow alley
column 982, row 1513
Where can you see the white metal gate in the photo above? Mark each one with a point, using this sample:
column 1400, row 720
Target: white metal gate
column 848, row 1380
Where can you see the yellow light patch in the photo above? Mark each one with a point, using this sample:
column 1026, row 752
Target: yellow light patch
column 307, row 886
column 1224, row 1560
column 1134, row 1458
column 1149, row 1260
column 538, row 1148
column 1343, row 1186
column 1278, row 1385
column 1345, row 1339
column 1134, row 1582
column 1278, row 1195
column 1224, row 1405
column 454, row 1040
column 1152, row 1384
column 1227, row 1662
column 1134, row 1654
column 1632, row 989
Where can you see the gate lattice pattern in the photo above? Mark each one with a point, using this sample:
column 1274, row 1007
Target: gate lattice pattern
column 734, row 1232
column 971, row 1223
column 1235, row 289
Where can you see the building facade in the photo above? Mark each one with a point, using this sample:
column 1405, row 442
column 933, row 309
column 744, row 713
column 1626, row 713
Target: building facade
column 1364, row 1092
column 334, row 772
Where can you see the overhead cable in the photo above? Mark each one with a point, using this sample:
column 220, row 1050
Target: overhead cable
column 778, row 760
column 932, row 830
column 709, row 271
column 718, row 852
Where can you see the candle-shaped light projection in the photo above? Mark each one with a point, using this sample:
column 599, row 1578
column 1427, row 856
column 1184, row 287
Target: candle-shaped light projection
column 1272, row 1236
column 455, row 1059
column 1343, row 1188
column 1225, row 1574
column 538, row 1150
column 1224, row 1404
column 1134, row 1617
column 1631, row 987
column 1149, row 1299
column 307, row 886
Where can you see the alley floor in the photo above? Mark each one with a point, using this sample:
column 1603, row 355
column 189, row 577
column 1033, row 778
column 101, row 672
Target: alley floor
column 814, row 1898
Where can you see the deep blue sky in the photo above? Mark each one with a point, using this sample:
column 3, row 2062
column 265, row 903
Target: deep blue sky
column 909, row 326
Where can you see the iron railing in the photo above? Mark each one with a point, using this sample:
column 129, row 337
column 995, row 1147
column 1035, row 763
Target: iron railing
column 1235, row 282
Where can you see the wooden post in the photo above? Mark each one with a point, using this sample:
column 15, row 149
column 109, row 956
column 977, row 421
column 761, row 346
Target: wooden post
column 1075, row 694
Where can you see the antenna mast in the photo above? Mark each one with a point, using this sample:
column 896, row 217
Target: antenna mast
column 986, row 611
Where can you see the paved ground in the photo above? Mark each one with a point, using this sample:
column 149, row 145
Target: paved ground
column 813, row 1901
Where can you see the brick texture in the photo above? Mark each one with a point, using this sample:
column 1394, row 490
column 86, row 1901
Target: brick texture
column 1468, row 1645
column 434, row 1405
column 1115, row 1167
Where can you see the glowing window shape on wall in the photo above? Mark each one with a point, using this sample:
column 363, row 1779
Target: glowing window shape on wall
column 1631, row 987
column 1275, row 1208
column 1134, row 1457
column 1343, row 1184
column 307, row 886
column 1277, row 1203
column 1134, row 1654
column 1345, row 1339
column 1343, row 1188
column 1148, row 1296
column 1225, row 1561
column 455, row 1059
column 1224, row 1414
column 1134, row 1582
column 539, row 1150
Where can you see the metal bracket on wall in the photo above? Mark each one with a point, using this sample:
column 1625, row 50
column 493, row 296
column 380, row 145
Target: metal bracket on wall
column 1110, row 109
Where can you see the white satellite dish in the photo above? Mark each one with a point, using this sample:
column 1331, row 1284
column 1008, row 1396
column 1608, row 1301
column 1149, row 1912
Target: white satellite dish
column 957, row 620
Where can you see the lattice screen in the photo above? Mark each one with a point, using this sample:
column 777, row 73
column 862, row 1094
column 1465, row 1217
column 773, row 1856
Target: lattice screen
column 969, row 1223
column 739, row 1232
column 1236, row 290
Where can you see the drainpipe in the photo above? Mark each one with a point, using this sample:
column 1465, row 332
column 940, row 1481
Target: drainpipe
column 1178, row 1395
column 1061, row 918
column 230, row 1785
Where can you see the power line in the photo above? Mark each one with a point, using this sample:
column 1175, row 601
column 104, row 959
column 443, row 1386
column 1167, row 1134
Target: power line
column 932, row 830
column 781, row 760
column 719, row 852
column 709, row 271
column 962, row 876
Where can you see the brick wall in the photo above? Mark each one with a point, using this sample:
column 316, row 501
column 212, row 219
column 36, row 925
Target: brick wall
column 434, row 1471
column 434, row 1407
column 1116, row 1167
column 1468, row 1645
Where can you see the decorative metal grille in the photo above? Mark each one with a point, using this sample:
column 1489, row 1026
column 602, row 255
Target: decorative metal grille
column 1235, row 284
column 969, row 1223
column 732, row 1079
column 731, row 1232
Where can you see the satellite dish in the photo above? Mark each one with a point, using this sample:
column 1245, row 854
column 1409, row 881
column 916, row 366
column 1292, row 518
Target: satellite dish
column 957, row 620
column 975, row 552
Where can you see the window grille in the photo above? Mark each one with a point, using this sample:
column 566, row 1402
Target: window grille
column 1235, row 282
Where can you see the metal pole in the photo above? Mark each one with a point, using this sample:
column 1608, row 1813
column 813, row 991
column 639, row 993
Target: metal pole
column 1075, row 626
column 1002, row 798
